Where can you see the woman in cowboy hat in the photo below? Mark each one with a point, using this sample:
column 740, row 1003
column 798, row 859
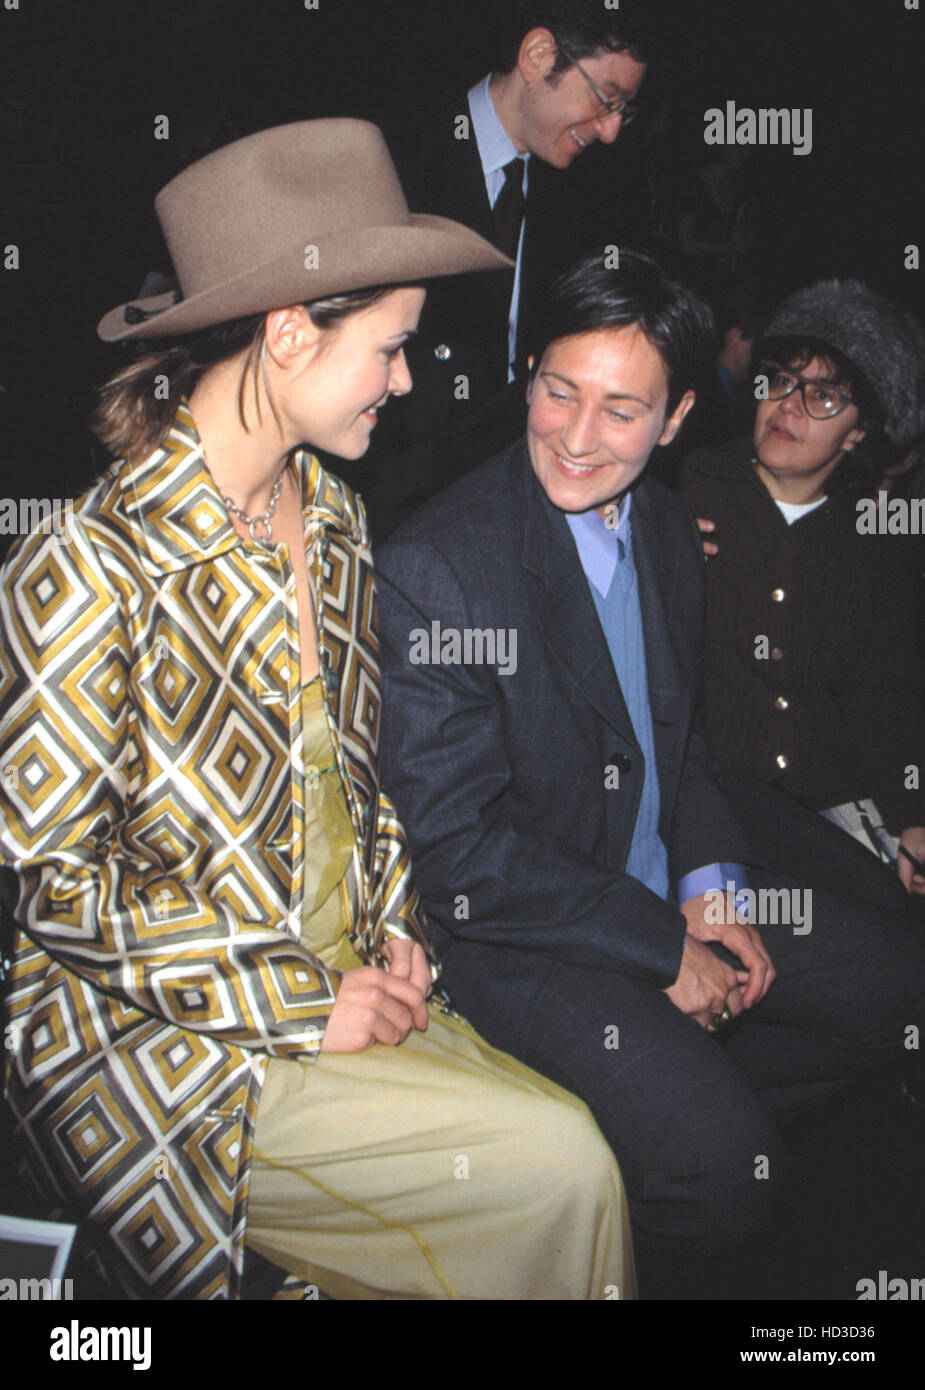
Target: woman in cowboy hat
column 223, row 1006
column 813, row 669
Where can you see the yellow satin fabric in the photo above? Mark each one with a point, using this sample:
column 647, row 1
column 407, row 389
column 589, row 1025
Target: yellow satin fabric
column 441, row 1168
column 329, row 840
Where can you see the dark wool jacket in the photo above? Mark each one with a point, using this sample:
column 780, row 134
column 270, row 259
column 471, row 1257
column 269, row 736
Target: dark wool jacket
column 503, row 776
column 829, row 707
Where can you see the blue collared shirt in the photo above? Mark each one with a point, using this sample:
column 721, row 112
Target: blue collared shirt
column 496, row 150
column 606, row 554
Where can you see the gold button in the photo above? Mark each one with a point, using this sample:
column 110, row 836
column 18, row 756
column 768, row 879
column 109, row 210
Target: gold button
column 777, row 595
column 776, row 654
column 781, row 703
column 782, row 761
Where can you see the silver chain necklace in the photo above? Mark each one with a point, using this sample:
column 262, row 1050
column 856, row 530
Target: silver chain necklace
column 252, row 522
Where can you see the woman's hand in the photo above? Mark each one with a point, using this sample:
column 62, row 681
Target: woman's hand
column 408, row 961
column 913, row 841
column 739, row 937
column 705, row 985
column 373, row 1006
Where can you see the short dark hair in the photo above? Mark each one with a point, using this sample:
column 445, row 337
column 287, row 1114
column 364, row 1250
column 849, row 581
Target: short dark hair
column 863, row 466
column 581, row 28
column 590, row 296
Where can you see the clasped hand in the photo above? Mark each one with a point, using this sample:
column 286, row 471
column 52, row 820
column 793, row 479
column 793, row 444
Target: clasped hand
column 913, row 841
column 375, row 1005
column 706, row 985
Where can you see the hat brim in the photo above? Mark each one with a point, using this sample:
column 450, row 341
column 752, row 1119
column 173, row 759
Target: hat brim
column 427, row 248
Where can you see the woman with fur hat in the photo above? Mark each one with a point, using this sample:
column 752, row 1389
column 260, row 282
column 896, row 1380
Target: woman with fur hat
column 226, row 1023
column 813, row 672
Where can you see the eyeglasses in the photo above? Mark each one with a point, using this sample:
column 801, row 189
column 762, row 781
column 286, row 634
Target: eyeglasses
column 609, row 106
column 820, row 401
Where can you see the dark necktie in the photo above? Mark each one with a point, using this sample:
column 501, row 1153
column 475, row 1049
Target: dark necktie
column 508, row 211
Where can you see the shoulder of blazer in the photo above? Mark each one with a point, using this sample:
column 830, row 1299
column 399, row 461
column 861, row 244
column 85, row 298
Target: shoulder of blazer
column 481, row 510
column 502, row 505
column 729, row 460
column 665, row 522
column 662, row 507
column 441, row 173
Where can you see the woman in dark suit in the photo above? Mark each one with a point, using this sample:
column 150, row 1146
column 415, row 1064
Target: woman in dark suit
column 542, row 628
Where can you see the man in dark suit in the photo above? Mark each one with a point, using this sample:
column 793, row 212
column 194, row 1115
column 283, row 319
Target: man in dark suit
column 490, row 158
column 541, row 643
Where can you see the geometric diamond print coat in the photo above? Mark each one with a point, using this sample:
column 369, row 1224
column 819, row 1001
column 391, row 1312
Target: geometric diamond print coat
column 151, row 777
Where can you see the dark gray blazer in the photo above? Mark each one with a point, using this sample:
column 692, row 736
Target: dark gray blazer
column 517, row 842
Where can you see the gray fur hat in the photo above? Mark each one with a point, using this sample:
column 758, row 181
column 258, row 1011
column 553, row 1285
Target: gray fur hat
column 885, row 344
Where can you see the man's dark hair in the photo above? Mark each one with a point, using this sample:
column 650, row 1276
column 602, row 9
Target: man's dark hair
column 589, row 296
column 581, row 28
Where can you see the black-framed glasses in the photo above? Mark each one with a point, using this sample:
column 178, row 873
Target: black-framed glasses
column 609, row 106
column 820, row 400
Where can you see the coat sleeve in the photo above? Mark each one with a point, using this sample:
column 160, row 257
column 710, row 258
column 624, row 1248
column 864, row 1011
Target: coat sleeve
column 486, row 872
column 87, row 895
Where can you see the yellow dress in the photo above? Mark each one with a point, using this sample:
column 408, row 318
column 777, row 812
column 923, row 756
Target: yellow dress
column 440, row 1168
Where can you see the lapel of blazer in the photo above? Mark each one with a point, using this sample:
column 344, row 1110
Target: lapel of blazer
column 568, row 622
column 466, row 200
column 468, row 185
column 656, row 574
column 567, row 616
column 570, row 626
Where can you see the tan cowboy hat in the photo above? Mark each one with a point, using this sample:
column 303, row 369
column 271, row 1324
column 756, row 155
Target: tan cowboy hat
column 288, row 215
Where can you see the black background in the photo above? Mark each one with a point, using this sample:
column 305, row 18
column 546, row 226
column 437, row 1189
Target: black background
column 81, row 85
